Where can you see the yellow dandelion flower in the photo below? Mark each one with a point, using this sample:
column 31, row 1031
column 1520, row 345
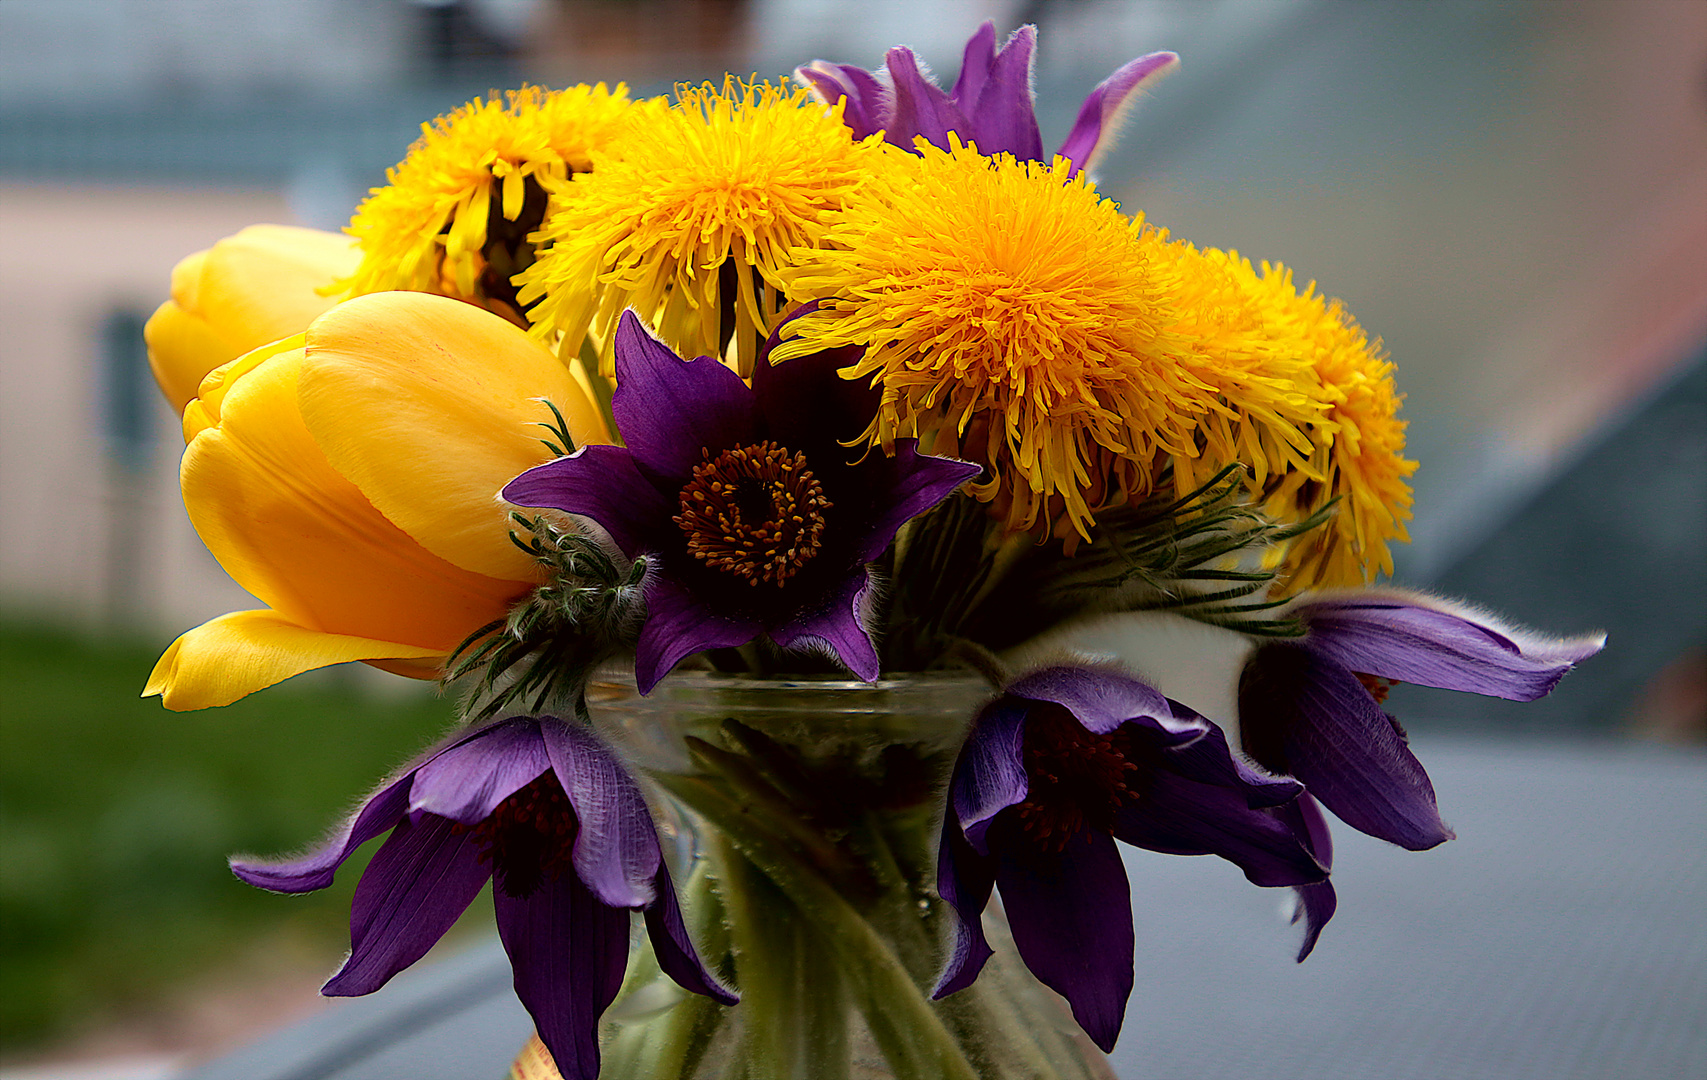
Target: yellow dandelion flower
column 1359, row 454
column 457, row 213
column 692, row 225
column 1012, row 315
column 1268, row 400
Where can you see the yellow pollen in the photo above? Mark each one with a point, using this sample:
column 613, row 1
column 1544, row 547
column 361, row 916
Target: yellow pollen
column 755, row 511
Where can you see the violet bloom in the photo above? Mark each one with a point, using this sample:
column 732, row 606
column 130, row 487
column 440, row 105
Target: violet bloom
column 541, row 807
column 1312, row 708
column 991, row 103
column 1064, row 763
column 758, row 521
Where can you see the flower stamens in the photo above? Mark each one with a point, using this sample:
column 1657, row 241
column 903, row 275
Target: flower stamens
column 754, row 511
column 1075, row 778
column 529, row 838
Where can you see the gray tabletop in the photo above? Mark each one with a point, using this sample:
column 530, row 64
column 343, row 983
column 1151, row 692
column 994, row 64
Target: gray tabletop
column 1562, row 935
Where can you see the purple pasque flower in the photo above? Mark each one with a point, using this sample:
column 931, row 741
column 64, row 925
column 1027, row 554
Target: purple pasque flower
column 756, row 518
column 1310, row 707
column 1067, row 761
column 991, row 103
column 541, row 807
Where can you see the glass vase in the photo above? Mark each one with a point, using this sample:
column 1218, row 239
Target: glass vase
column 805, row 815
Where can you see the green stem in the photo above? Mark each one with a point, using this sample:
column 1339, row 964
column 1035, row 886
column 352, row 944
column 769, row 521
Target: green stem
column 906, row 1028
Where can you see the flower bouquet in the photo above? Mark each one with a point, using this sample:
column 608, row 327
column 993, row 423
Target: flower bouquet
column 731, row 458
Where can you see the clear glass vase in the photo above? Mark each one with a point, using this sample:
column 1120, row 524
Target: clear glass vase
column 805, row 815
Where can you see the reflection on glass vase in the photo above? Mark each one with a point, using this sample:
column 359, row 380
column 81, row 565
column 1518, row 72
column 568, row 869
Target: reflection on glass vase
column 806, row 815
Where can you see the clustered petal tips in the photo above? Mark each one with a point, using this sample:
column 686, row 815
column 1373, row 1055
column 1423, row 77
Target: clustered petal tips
column 990, row 105
column 757, row 520
column 1065, row 762
column 542, row 809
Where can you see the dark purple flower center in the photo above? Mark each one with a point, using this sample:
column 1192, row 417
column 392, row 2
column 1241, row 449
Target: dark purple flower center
column 756, row 512
column 1075, row 778
column 529, row 837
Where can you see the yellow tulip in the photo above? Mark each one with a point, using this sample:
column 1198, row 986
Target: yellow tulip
column 348, row 477
column 247, row 290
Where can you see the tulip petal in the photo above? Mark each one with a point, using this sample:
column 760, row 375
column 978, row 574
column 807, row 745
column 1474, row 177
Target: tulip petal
column 616, row 845
column 252, row 288
column 420, row 881
column 429, row 406
column 567, row 951
column 291, row 530
column 1071, row 914
column 237, row 654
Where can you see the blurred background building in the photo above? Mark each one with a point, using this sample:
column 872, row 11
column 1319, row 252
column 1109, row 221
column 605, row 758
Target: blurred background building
column 1512, row 194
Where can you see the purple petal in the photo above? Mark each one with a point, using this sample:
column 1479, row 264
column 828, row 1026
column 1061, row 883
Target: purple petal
column 1101, row 700
column 1307, row 715
column 837, row 627
column 671, row 412
column 920, row 106
column 1071, row 914
column 990, row 774
column 1178, row 816
column 868, row 100
column 602, row 483
column 677, row 626
column 1316, row 903
column 964, row 879
column 315, row 870
column 920, row 482
column 420, row 880
column 1101, row 115
column 674, row 949
column 467, row 781
column 977, row 60
column 1431, row 642
column 1210, row 760
column 994, row 94
column 568, row 952
column 806, row 405
column 616, row 845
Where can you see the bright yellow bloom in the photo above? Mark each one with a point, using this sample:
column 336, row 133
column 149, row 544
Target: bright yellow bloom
column 696, row 216
column 1359, row 454
column 457, row 212
column 1013, row 316
column 247, row 290
column 348, row 478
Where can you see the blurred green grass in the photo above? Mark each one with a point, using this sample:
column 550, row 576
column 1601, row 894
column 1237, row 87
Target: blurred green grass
column 116, row 818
